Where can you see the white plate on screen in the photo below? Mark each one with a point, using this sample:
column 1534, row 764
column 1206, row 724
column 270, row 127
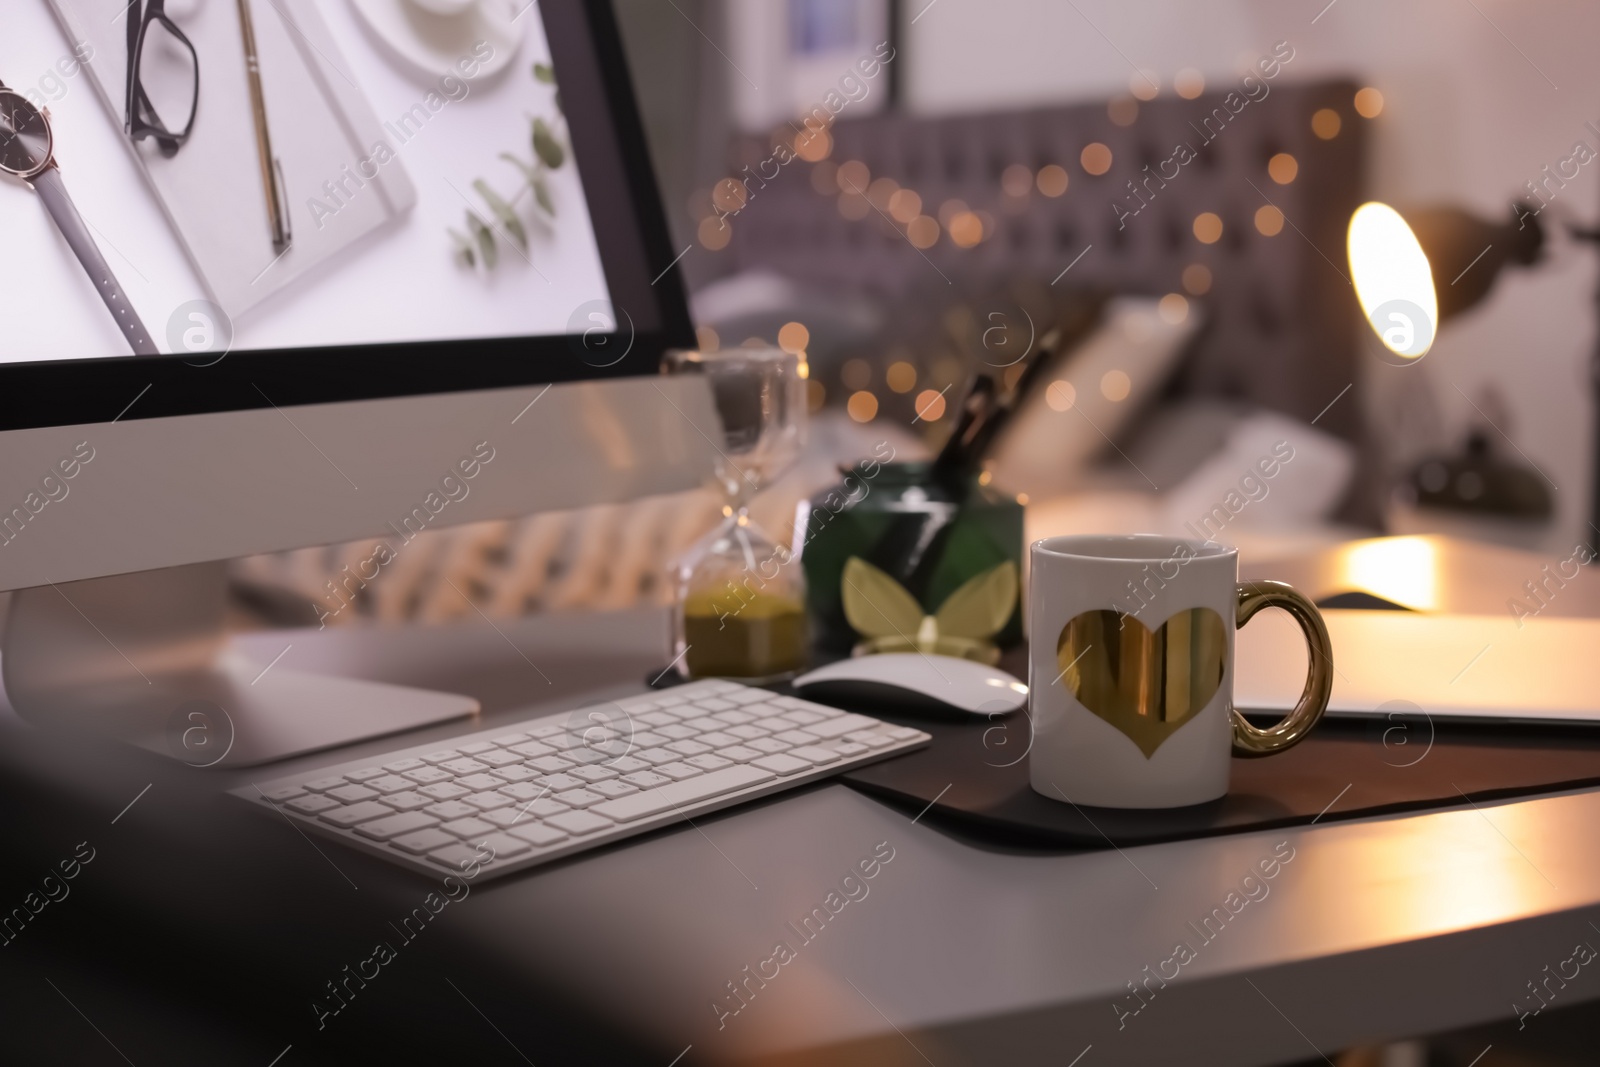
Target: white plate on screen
column 430, row 45
column 1482, row 667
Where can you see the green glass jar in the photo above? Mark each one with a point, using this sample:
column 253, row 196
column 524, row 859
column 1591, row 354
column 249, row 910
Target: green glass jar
column 897, row 561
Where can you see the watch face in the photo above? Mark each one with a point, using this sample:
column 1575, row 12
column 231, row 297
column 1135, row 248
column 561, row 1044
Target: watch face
column 24, row 136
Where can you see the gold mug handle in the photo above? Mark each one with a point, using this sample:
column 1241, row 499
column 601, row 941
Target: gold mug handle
column 1252, row 741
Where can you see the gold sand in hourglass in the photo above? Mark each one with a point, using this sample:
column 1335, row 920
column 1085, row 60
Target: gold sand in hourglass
column 765, row 637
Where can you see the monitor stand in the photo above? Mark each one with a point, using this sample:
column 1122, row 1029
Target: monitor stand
column 142, row 658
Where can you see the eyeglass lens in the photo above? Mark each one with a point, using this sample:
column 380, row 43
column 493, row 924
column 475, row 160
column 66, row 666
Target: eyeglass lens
column 167, row 73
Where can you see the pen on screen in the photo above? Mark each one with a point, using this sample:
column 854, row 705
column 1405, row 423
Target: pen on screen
column 271, row 168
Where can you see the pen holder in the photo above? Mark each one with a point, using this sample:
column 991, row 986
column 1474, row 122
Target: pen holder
column 898, row 561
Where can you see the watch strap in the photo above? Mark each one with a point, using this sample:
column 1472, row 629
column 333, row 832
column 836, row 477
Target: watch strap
column 53, row 191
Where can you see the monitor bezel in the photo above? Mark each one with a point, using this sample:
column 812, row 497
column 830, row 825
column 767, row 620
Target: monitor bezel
column 633, row 239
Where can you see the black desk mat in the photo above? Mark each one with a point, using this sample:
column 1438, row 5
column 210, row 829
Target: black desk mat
column 974, row 778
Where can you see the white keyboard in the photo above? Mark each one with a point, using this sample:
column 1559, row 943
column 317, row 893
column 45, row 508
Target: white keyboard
column 533, row 791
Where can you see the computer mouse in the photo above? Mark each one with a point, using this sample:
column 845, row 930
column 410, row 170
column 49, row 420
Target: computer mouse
column 914, row 684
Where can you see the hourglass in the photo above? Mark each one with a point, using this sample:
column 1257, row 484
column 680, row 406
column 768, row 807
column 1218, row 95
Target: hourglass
column 739, row 610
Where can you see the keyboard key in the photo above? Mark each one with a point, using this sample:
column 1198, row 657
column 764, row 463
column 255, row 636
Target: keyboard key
column 400, row 766
column 650, row 738
column 870, row 738
column 395, row 825
column 451, row 809
column 347, row 817
column 803, row 717
column 655, row 756
column 717, row 739
column 740, row 753
column 581, row 822
column 679, row 771
column 549, row 764
column 312, row 804
column 539, row 809
column 497, row 758
column 487, row 801
column 504, row 846
column 549, row 729
column 766, row 711
column 747, row 696
column 708, row 762
column 579, row 798
column 427, row 775
column 563, row 741
column 518, row 773
column 628, row 765
column 533, row 749
column 703, row 723
column 679, row 794
column 525, row 790
column 655, row 718
column 405, row 801
column 539, row 836
column 795, row 737
column 782, row 764
column 713, row 704
column 391, row 783
column 904, row 733
column 283, row 792
column 443, row 791
column 746, row 733
column 616, row 787
column 648, row 779
column 593, row 774
column 479, row 782
column 507, row 817
column 510, row 739
column 349, row 794
column 771, row 745
column 422, row 841
column 557, row 782
column 363, row 774
column 474, row 748
column 464, row 766
column 322, row 785
column 677, row 731
column 689, row 748
column 840, row 726
column 468, row 827
column 442, row 756
column 848, row 749
column 813, row 754
column 734, row 718
column 459, row 857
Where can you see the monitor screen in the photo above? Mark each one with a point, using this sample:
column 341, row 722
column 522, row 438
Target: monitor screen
column 452, row 191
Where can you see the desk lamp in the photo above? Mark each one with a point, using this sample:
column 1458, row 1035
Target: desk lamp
column 1412, row 273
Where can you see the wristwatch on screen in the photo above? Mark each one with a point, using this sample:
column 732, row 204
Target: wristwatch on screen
column 27, row 151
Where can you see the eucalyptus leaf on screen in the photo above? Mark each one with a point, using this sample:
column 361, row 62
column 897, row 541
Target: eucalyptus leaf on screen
column 504, row 212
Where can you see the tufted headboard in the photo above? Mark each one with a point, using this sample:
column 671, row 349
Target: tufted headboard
column 1282, row 318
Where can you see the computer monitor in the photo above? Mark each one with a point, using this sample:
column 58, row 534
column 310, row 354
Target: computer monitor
column 300, row 273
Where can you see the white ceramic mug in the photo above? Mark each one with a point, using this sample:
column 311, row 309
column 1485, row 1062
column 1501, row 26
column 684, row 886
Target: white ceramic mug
column 1130, row 670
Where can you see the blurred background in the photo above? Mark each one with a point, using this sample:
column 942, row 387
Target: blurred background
column 910, row 194
column 1129, row 221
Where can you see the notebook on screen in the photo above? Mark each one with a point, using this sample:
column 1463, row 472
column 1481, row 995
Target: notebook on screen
column 211, row 191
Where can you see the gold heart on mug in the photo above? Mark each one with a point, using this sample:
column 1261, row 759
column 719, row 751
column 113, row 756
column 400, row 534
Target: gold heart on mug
column 1145, row 684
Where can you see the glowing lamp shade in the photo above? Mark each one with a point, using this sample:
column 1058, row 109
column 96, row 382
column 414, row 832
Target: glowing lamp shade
column 1393, row 280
